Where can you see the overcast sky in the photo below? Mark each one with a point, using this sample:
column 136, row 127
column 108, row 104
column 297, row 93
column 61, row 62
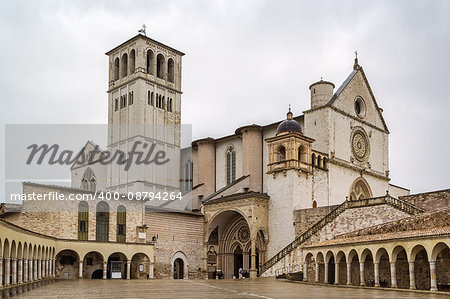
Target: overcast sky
column 245, row 62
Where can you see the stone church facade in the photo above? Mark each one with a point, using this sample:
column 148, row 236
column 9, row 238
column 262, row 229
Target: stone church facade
column 274, row 199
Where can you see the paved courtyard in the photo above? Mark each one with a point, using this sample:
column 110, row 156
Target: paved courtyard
column 204, row 289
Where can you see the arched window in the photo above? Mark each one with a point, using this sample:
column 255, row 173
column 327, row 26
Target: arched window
column 150, row 59
column 281, row 154
column 313, row 159
column 360, row 190
column 319, row 161
column 163, row 102
column 231, row 165
column 188, row 175
column 299, row 153
column 88, row 182
column 171, row 70
column 116, row 68
column 121, row 224
column 160, row 64
column 314, row 204
column 132, row 61
column 324, row 161
column 83, row 220
column 124, row 66
column 102, row 222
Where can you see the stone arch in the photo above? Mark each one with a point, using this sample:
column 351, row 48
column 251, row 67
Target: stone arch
column 400, row 257
column 320, row 264
column 360, row 189
column 281, row 153
column 330, row 267
column 115, row 260
column 441, row 255
column 367, row 276
column 382, row 257
column 341, row 261
column 419, row 256
column 176, row 268
column 309, row 271
column 13, row 253
column 353, row 262
column 93, row 261
column 140, row 266
column 67, row 264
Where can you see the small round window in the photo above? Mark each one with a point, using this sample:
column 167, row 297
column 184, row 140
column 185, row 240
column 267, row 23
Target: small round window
column 360, row 107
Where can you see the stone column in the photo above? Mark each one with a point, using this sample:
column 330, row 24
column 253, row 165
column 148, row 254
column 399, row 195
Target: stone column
column 80, row 269
column 336, row 273
column 376, row 269
column 35, row 269
column 104, row 270
column 205, row 260
column 305, row 271
column 150, row 274
column 326, row 273
column 38, row 269
column 253, row 271
column 412, row 279
column 361, row 274
column 1, row 271
column 128, row 269
column 19, row 270
column 44, row 266
column 30, row 270
column 7, row 269
column 317, row 272
column 349, row 273
column 53, row 268
column 433, row 275
column 14, row 271
column 393, row 275
column 25, row 270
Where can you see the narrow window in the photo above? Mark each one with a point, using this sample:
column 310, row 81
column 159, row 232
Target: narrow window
column 83, row 217
column 102, row 222
column 171, row 70
column 116, row 104
column 116, row 69
column 150, row 58
column 124, row 66
column 231, row 165
column 132, row 61
column 160, row 65
column 121, row 224
column 281, row 154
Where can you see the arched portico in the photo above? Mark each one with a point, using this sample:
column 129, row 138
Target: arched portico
column 236, row 234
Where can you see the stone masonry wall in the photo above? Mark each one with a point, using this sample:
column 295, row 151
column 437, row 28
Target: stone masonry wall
column 306, row 218
column 176, row 232
column 429, row 201
column 356, row 219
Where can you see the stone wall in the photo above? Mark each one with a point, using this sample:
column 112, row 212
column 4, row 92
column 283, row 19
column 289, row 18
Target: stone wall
column 177, row 232
column 439, row 218
column 306, row 218
column 357, row 218
column 429, row 201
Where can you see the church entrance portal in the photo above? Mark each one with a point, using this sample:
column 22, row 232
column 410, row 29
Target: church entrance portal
column 238, row 261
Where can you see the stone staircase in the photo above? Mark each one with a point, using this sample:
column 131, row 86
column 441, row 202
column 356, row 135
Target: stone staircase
column 394, row 202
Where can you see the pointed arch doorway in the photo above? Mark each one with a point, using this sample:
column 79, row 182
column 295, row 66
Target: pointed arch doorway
column 178, row 269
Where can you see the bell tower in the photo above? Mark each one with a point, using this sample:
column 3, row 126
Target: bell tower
column 144, row 107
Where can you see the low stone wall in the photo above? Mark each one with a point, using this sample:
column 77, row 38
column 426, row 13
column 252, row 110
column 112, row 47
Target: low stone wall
column 430, row 200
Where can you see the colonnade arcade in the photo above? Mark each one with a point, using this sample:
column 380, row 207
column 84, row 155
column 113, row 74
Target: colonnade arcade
column 420, row 264
column 26, row 256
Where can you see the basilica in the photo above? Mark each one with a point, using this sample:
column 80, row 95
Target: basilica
column 306, row 197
